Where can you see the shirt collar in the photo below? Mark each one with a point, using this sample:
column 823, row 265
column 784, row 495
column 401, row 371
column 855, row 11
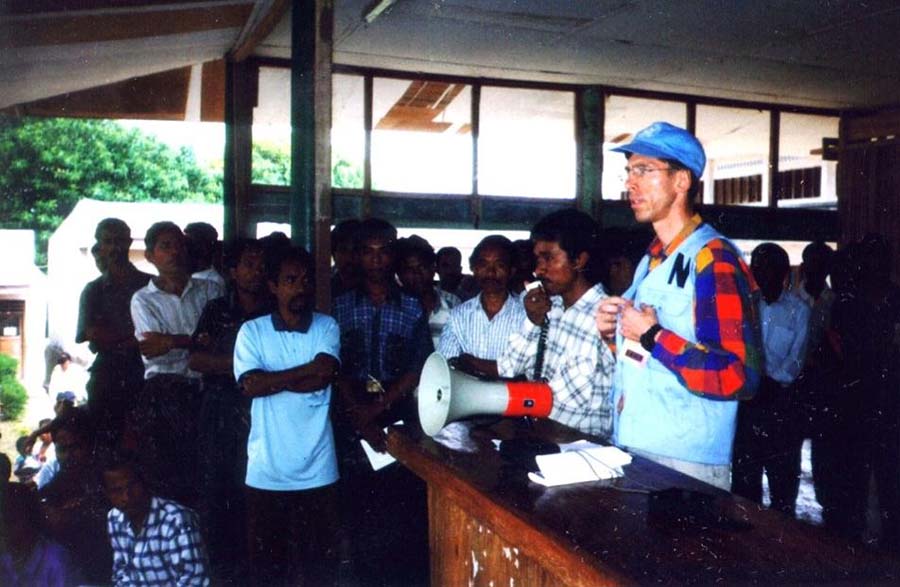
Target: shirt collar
column 394, row 294
column 656, row 249
column 153, row 287
column 280, row 325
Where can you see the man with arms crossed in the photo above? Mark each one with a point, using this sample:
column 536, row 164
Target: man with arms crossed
column 286, row 361
column 689, row 310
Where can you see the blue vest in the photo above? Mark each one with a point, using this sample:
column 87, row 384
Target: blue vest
column 660, row 415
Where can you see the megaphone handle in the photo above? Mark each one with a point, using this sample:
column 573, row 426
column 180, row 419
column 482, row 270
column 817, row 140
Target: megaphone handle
column 541, row 350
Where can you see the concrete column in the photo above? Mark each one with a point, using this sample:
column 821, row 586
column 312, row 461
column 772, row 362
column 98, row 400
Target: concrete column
column 312, row 23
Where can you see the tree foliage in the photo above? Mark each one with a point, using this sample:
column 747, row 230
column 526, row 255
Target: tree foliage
column 48, row 165
column 13, row 395
column 272, row 166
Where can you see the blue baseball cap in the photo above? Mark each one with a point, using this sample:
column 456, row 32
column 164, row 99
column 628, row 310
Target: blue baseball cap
column 662, row 140
column 65, row 396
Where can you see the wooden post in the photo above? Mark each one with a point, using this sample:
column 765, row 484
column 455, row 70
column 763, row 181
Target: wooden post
column 311, row 52
column 241, row 84
column 589, row 120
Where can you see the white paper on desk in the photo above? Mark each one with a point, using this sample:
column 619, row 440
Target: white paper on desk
column 580, row 465
column 378, row 460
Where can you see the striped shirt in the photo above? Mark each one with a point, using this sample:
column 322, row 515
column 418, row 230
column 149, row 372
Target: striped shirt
column 441, row 314
column 727, row 362
column 469, row 331
column 167, row 551
column 155, row 310
column 577, row 365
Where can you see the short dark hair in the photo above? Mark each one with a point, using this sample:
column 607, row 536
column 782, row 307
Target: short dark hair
column 345, row 232
column 493, row 241
column 113, row 224
column 575, row 231
column 203, row 231
column 817, row 259
column 448, row 251
column 77, row 420
column 415, row 246
column 284, row 255
column 694, row 188
column 375, row 228
column 157, row 230
column 120, row 460
column 774, row 256
column 235, row 249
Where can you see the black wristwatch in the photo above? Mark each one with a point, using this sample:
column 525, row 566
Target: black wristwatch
column 647, row 339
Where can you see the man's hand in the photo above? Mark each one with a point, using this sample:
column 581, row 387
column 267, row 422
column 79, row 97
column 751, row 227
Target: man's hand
column 636, row 321
column 375, row 436
column 155, row 344
column 474, row 366
column 608, row 316
column 537, row 305
column 363, row 416
column 254, row 384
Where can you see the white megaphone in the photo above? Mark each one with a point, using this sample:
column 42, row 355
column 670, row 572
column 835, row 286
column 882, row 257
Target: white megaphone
column 446, row 395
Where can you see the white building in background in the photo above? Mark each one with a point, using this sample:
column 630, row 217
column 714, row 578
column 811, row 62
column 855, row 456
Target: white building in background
column 70, row 265
column 23, row 305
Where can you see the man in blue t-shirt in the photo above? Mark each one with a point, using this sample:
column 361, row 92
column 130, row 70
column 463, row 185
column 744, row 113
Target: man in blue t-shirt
column 286, row 362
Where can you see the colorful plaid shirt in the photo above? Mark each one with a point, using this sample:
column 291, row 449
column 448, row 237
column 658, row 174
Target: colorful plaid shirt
column 727, row 362
column 167, row 551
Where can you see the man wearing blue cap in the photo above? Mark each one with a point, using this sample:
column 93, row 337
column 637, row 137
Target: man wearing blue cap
column 686, row 330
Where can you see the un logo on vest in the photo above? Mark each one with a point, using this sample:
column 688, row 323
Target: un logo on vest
column 681, row 270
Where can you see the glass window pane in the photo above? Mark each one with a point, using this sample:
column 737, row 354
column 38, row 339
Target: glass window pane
column 526, row 143
column 736, row 141
column 463, row 239
column 271, row 163
column 804, row 179
column 624, row 117
column 421, row 136
column 348, row 132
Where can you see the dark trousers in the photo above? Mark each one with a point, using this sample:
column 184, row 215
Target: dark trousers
column 384, row 513
column 112, row 389
column 165, row 426
column 768, row 438
column 292, row 536
column 882, row 431
column 222, row 440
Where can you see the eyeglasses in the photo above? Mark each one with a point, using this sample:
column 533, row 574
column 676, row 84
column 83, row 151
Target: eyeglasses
column 642, row 170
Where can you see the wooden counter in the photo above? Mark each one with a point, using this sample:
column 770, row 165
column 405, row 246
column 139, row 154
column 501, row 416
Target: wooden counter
column 488, row 525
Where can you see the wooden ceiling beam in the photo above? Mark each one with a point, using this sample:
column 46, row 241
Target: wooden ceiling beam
column 262, row 21
column 95, row 28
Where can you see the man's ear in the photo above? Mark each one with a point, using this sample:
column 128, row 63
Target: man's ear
column 683, row 180
column 581, row 261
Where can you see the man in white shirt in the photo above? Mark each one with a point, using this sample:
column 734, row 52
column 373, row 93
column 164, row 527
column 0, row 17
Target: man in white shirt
column 478, row 329
column 165, row 314
column 769, row 433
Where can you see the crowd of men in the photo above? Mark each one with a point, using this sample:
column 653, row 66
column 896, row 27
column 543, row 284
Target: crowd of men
column 221, row 441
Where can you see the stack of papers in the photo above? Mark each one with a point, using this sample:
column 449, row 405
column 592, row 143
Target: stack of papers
column 580, row 462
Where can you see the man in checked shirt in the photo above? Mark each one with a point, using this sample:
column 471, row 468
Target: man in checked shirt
column 155, row 541
column 576, row 365
column 687, row 329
